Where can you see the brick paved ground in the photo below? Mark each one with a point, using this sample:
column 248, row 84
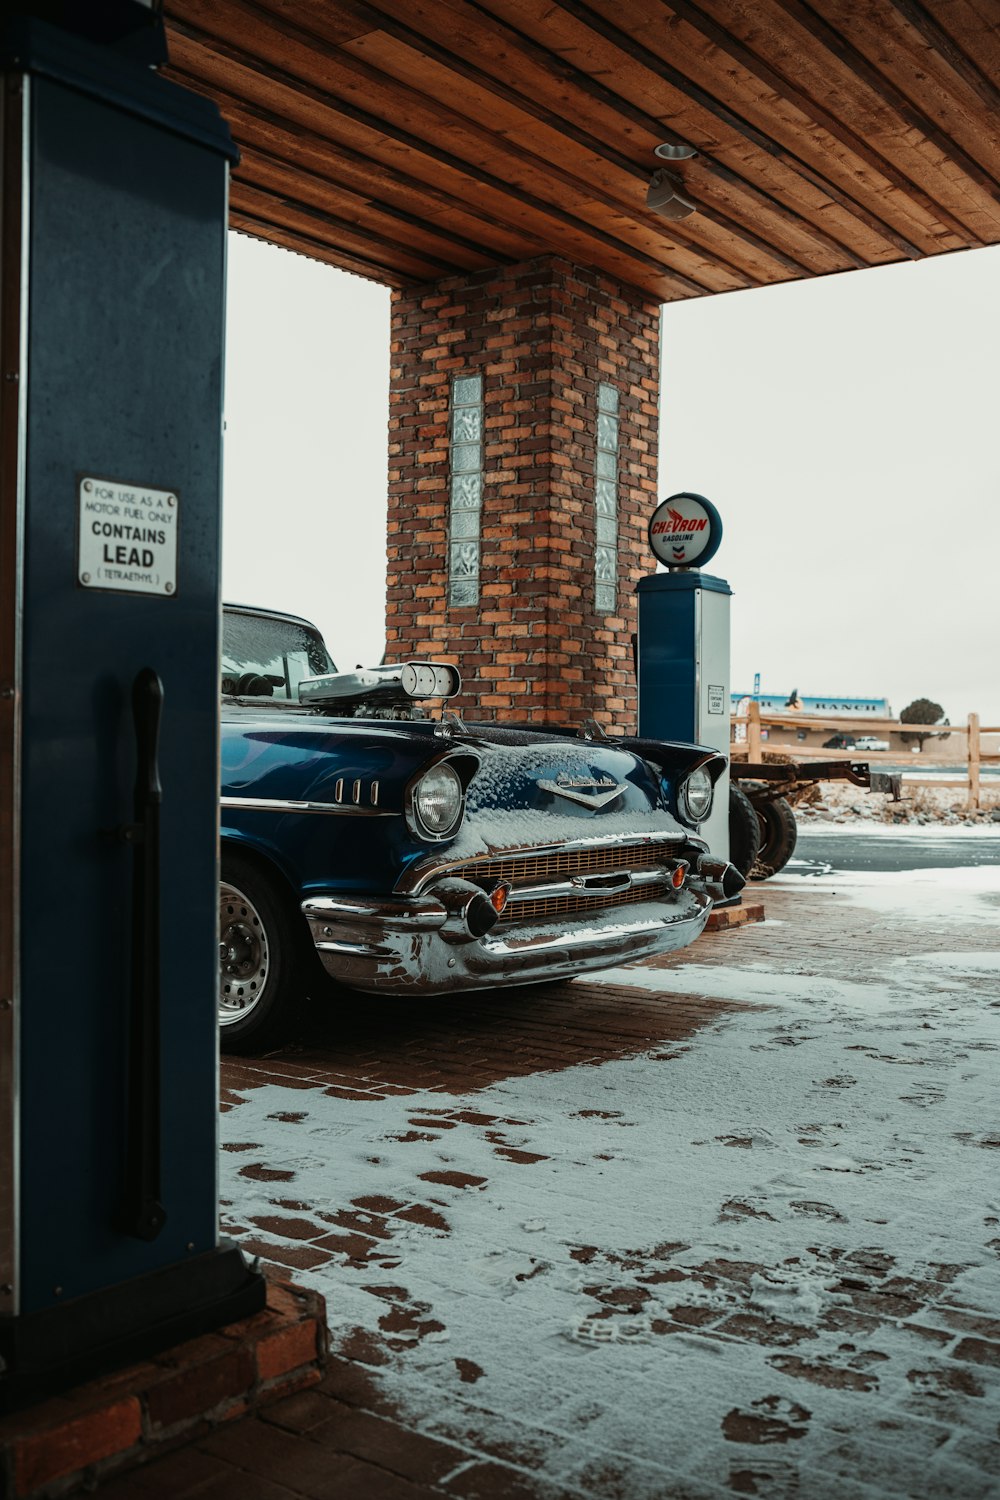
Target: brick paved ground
column 876, row 1375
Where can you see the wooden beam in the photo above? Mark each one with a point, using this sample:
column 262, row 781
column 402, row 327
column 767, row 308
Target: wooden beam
column 625, row 109
column 263, row 229
column 405, row 257
column 973, row 760
column 814, row 110
column 947, row 48
column 470, row 254
column 747, row 129
column 857, row 64
column 527, row 132
column 269, row 73
column 420, row 43
column 362, row 171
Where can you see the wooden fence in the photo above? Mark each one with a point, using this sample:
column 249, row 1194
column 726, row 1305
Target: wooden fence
column 968, row 735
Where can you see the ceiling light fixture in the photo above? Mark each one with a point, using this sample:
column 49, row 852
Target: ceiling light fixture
column 664, row 198
column 674, row 151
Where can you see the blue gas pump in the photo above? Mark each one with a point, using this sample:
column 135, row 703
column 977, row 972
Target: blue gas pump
column 682, row 647
column 114, row 198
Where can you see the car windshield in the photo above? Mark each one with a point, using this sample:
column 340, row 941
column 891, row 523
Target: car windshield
column 266, row 657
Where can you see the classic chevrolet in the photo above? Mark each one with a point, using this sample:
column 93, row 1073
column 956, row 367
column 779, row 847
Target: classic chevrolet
column 419, row 855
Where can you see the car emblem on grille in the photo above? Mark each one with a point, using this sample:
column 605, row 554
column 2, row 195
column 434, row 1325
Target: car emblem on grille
column 585, row 789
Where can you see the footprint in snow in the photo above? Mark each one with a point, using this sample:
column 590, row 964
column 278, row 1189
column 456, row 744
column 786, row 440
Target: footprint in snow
column 506, row 1270
column 814, row 1210
column 735, row 1209
column 759, row 1139
column 924, row 1096
column 633, row 1328
column 772, row 1419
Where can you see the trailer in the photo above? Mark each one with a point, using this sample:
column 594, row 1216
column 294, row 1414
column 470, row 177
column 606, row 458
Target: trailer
column 762, row 797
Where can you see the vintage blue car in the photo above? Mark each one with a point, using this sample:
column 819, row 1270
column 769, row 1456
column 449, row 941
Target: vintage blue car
column 418, row 854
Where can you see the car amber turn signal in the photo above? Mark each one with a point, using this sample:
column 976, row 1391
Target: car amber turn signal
column 498, row 896
column 678, row 874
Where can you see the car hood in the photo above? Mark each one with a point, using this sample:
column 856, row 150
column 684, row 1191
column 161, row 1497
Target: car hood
column 534, row 788
column 524, row 786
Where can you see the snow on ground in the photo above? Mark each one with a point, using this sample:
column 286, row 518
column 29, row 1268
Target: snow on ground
column 819, row 827
column 968, row 893
column 756, row 1264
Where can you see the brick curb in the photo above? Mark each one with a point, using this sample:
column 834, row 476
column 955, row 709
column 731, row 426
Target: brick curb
column 725, row 917
column 126, row 1418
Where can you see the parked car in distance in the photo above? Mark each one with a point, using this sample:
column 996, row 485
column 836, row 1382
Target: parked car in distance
column 405, row 854
column 855, row 742
column 840, row 742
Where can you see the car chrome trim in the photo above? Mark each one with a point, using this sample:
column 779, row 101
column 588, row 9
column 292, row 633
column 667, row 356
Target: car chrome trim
column 405, row 947
column 244, row 955
column 683, row 801
column 418, row 876
column 644, row 925
column 571, row 790
column 287, row 805
column 426, row 915
column 465, row 764
column 255, row 610
column 617, row 880
column 356, row 789
column 593, row 885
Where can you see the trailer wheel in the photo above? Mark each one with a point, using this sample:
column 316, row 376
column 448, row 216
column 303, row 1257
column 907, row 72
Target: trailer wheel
column 778, row 835
column 744, row 831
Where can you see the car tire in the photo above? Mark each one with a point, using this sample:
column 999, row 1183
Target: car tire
column 744, row 831
column 779, row 832
column 263, row 958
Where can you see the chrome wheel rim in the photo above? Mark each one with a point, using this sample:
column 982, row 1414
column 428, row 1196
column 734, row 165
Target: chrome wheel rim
column 244, row 956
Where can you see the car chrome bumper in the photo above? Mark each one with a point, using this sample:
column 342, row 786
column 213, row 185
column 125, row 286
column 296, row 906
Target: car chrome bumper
column 407, row 945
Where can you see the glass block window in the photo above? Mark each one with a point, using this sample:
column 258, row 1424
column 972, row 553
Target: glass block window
column 466, row 489
column 606, row 502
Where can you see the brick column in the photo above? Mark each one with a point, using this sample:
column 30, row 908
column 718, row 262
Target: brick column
column 551, row 354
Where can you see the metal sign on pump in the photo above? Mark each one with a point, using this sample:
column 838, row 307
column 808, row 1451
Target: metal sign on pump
column 682, row 651
column 114, row 207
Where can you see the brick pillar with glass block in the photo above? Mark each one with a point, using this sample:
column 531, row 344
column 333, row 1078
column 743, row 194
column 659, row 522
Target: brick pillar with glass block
column 522, row 474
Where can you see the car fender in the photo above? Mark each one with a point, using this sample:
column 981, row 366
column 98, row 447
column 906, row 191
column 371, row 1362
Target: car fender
column 266, row 858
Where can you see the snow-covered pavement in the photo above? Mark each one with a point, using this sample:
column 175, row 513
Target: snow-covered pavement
column 747, row 1240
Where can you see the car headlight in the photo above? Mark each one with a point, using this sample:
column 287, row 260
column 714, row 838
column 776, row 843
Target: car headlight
column 436, row 802
column 694, row 797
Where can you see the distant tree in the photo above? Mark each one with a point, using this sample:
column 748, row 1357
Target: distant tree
column 923, row 711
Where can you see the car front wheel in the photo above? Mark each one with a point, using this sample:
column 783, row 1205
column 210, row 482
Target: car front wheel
column 261, row 959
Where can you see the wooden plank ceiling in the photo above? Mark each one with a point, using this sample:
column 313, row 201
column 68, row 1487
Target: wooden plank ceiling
column 415, row 139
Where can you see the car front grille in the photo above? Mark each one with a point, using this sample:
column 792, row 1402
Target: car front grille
column 549, row 884
column 547, row 908
column 532, row 868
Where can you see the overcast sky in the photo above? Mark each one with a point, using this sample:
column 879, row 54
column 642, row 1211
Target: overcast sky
column 304, row 496
column 846, row 428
